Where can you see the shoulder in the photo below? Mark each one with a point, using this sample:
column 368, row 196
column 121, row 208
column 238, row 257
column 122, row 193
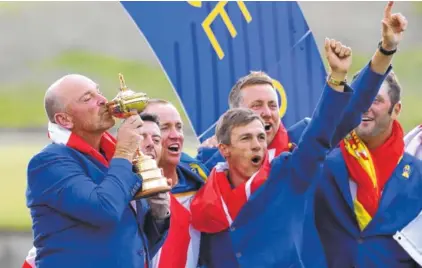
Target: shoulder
column 334, row 155
column 193, row 165
column 295, row 131
column 412, row 166
column 52, row 152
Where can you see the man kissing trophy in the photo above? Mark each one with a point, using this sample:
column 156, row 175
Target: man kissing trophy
column 122, row 106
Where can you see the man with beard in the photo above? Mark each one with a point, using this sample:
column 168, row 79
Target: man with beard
column 80, row 186
column 370, row 189
column 181, row 247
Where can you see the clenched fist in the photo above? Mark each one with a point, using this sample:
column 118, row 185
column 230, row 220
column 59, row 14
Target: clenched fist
column 339, row 58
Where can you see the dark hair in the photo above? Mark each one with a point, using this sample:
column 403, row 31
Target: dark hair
column 233, row 118
column 394, row 88
column 150, row 118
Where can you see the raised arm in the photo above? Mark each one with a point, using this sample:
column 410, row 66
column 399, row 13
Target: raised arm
column 369, row 80
column 306, row 160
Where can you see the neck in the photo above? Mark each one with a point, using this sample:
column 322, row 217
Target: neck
column 374, row 142
column 170, row 172
column 93, row 139
column 235, row 177
column 270, row 141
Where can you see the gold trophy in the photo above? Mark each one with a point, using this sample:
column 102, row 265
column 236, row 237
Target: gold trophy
column 153, row 180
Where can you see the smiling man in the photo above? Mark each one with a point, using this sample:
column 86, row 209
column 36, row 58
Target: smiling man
column 370, row 189
column 181, row 248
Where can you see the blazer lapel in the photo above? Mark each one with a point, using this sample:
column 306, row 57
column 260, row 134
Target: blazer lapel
column 341, row 177
column 397, row 184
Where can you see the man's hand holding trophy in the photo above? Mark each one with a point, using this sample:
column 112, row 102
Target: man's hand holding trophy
column 125, row 104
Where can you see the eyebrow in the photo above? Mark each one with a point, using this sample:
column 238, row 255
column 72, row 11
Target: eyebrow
column 247, row 135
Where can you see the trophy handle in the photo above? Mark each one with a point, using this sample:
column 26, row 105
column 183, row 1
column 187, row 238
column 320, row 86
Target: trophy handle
column 123, row 86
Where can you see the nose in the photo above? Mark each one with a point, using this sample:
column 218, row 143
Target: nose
column 265, row 111
column 147, row 143
column 369, row 111
column 256, row 145
column 174, row 133
column 101, row 100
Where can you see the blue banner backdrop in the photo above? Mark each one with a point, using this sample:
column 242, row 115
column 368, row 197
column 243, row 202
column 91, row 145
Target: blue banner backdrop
column 204, row 47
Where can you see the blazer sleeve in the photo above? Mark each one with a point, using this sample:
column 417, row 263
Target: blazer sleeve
column 366, row 87
column 305, row 161
column 60, row 182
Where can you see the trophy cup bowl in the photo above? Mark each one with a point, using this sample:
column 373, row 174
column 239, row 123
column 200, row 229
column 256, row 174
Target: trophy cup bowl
column 153, row 180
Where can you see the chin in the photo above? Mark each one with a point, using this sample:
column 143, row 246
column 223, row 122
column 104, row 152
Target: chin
column 173, row 160
column 250, row 172
column 364, row 132
column 109, row 124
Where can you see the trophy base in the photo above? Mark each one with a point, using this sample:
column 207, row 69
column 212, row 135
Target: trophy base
column 152, row 187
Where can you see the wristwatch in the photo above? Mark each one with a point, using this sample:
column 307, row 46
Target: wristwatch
column 335, row 82
column 386, row 52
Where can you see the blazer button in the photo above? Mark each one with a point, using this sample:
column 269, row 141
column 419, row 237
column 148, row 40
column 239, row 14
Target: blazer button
column 238, row 255
column 140, row 252
column 360, row 240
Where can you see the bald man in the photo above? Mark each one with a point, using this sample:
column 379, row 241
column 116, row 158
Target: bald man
column 80, row 186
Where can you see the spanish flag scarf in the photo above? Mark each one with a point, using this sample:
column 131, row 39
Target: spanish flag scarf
column 371, row 169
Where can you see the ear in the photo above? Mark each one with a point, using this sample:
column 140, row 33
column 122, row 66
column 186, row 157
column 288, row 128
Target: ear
column 64, row 120
column 224, row 150
column 396, row 111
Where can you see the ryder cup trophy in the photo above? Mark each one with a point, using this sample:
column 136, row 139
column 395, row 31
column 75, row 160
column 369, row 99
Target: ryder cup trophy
column 121, row 106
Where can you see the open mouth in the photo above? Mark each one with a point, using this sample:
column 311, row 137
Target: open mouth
column 256, row 159
column 367, row 119
column 268, row 127
column 174, row 148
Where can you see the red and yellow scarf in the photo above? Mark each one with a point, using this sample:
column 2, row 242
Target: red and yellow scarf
column 371, row 169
